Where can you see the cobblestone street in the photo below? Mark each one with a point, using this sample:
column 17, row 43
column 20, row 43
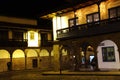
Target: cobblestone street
column 38, row 75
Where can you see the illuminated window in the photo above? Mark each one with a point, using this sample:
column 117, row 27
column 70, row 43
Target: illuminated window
column 114, row 12
column 73, row 22
column 108, row 54
column 31, row 35
column 93, row 17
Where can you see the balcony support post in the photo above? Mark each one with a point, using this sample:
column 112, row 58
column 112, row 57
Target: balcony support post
column 99, row 1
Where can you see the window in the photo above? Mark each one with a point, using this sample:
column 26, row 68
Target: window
column 3, row 35
column 17, row 35
column 32, row 36
column 114, row 12
column 93, row 17
column 73, row 22
column 44, row 37
column 108, row 54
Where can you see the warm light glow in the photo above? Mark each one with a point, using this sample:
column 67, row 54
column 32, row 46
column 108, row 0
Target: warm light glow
column 54, row 28
column 4, row 54
column 18, row 54
column 103, row 11
column 82, row 53
column 44, row 53
column 52, row 54
column 33, row 39
column 32, row 53
column 59, row 23
column 18, row 20
column 64, row 52
column 64, row 22
column 49, row 36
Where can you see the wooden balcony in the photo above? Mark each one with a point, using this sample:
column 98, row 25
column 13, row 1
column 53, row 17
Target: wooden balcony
column 90, row 29
column 13, row 43
column 46, row 43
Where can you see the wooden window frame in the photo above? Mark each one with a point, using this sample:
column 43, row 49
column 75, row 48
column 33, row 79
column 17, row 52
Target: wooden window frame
column 92, row 14
column 108, row 54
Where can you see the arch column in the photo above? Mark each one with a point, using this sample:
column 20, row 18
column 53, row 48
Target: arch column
column 76, row 51
column 11, row 57
column 25, row 61
column 95, row 46
column 56, row 52
column 38, row 57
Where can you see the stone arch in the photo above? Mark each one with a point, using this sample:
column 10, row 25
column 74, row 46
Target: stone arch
column 65, row 50
column 4, row 59
column 111, row 61
column 32, row 59
column 84, row 55
column 44, row 52
column 52, row 54
column 18, row 60
column 44, row 62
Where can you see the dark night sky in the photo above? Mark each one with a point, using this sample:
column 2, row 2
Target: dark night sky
column 29, row 8
column 32, row 8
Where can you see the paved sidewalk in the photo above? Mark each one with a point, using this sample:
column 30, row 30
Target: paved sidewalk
column 99, row 73
column 65, row 75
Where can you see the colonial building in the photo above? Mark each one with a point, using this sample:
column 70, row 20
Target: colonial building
column 86, row 36
column 23, row 45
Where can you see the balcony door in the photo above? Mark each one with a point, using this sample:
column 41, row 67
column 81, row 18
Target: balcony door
column 34, row 63
column 17, row 35
column 73, row 22
column 3, row 35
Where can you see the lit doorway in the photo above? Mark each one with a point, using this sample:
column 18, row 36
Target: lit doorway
column 87, row 57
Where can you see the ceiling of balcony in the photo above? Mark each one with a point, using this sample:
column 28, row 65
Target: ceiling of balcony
column 33, row 8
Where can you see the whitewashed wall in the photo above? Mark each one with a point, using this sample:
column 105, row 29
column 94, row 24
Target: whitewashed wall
column 108, row 65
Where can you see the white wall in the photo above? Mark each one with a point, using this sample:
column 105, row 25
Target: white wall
column 108, row 65
column 59, row 23
column 33, row 38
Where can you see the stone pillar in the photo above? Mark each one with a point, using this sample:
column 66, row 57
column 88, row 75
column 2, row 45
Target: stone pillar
column 96, row 57
column 56, row 61
column 25, row 52
column 77, row 56
column 11, row 60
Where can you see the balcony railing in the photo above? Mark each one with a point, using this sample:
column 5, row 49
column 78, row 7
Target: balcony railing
column 13, row 43
column 90, row 29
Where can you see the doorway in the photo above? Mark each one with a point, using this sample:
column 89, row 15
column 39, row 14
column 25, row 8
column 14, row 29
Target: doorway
column 87, row 55
column 34, row 63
